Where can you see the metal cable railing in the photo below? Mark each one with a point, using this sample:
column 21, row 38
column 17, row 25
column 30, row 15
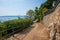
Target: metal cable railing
column 9, row 34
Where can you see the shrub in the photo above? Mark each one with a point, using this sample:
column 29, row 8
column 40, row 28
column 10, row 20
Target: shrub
column 17, row 24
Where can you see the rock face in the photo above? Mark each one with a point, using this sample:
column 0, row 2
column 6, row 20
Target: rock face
column 53, row 18
column 52, row 31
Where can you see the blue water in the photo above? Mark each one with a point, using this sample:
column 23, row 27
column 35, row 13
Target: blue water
column 6, row 18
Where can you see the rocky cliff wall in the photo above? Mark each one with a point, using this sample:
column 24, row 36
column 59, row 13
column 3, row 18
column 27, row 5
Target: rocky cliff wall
column 52, row 21
column 53, row 17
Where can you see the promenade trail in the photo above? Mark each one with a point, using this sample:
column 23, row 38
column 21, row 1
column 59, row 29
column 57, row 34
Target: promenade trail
column 38, row 32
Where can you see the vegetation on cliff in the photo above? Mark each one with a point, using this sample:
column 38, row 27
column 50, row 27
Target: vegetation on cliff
column 38, row 13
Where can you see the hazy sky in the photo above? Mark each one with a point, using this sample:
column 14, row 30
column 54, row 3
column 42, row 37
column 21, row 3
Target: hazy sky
column 17, row 7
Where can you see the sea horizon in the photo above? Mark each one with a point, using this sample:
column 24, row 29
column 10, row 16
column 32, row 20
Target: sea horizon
column 6, row 18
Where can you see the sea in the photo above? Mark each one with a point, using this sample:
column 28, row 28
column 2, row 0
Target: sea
column 6, row 18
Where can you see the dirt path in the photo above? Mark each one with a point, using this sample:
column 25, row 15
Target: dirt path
column 39, row 32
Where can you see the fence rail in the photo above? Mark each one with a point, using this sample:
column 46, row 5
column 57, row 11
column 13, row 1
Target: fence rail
column 9, row 34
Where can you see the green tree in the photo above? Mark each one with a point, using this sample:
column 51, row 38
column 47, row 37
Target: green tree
column 43, row 8
column 30, row 13
column 51, row 2
column 36, row 13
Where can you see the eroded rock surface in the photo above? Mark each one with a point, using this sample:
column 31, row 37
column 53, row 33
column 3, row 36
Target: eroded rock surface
column 53, row 18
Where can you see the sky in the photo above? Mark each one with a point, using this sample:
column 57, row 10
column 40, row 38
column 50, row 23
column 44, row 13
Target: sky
column 18, row 7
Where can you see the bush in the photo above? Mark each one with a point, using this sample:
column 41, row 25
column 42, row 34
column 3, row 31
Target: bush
column 17, row 24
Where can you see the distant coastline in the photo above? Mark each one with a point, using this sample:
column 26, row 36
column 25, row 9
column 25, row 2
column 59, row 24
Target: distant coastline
column 12, row 16
column 6, row 18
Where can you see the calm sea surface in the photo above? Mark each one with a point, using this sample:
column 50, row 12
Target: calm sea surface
column 6, row 18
